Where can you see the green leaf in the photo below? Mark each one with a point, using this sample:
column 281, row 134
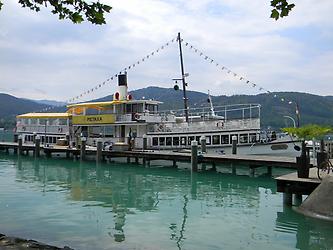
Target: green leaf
column 77, row 18
column 275, row 14
column 1, row 4
column 107, row 8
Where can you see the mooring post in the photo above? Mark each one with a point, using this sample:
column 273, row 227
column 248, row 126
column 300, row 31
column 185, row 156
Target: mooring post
column 83, row 148
column 287, row 199
column 99, row 153
column 145, row 142
column 34, row 137
column 20, row 147
column 234, row 144
column 203, row 144
column 194, row 156
column 37, row 146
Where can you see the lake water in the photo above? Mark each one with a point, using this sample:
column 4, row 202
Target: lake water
column 127, row 206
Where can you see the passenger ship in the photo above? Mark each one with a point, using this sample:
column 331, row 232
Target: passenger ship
column 133, row 123
column 127, row 121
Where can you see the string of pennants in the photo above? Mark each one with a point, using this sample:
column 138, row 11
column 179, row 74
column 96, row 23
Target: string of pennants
column 129, row 67
column 113, row 77
column 232, row 73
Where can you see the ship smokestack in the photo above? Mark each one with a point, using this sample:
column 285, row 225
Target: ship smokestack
column 121, row 94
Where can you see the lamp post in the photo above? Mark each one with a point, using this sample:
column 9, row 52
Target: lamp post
column 294, row 122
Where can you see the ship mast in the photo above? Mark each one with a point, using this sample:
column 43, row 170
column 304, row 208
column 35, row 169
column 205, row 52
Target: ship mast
column 183, row 76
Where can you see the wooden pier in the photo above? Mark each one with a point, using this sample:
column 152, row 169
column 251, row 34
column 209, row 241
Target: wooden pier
column 292, row 184
column 253, row 161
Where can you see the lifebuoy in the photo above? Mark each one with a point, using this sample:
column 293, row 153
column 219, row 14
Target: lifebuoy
column 59, row 130
column 136, row 116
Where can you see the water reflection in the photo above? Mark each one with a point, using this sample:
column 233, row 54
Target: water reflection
column 310, row 233
column 181, row 203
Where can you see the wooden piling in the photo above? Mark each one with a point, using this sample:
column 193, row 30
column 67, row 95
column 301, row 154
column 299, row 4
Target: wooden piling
column 203, row 144
column 145, row 142
column 174, row 163
column 83, row 149
column 297, row 199
column 287, row 199
column 99, row 153
column 194, row 156
column 37, row 146
column 20, row 148
column 234, row 144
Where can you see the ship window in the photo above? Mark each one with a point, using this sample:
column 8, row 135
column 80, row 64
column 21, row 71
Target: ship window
column 208, row 140
column 243, row 138
column 232, row 136
column 33, row 121
column 175, row 141
column 41, row 121
column 168, row 141
column 42, row 139
column 224, row 139
column 190, row 138
column 62, row 121
column 54, row 139
column 92, row 112
column 216, row 139
column 155, row 141
column 162, row 141
column 252, row 137
column 182, row 140
column 128, row 108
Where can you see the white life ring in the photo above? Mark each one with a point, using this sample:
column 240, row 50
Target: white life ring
column 136, row 116
column 59, row 130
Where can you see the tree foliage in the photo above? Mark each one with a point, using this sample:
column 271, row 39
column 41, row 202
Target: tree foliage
column 74, row 10
column 281, row 8
column 310, row 131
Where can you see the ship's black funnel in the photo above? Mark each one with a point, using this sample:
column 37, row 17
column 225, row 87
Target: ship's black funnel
column 122, row 80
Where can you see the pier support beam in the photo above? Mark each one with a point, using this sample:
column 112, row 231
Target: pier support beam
column 269, row 170
column 99, row 153
column 287, row 199
column 20, row 147
column 174, row 163
column 203, row 144
column 194, row 156
column 83, row 148
column 297, row 199
column 145, row 142
column 37, row 146
column 234, row 144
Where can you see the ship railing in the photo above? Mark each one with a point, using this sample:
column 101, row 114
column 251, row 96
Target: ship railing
column 218, row 125
column 226, row 112
column 42, row 129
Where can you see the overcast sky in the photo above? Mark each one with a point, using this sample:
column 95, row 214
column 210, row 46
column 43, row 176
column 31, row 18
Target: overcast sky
column 42, row 57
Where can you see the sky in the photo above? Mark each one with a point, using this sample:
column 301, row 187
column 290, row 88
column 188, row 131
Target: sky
column 42, row 57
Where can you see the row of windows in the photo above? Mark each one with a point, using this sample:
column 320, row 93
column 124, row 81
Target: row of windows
column 49, row 139
column 210, row 140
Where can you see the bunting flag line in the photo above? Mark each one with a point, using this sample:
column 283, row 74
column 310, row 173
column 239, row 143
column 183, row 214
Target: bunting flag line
column 234, row 74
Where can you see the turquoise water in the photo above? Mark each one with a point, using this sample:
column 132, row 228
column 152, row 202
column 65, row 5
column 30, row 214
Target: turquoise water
column 128, row 206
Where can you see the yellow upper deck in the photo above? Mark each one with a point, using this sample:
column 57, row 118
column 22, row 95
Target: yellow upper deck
column 45, row 116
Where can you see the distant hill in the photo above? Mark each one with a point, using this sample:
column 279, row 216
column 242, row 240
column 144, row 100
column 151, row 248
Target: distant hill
column 313, row 108
column 11, row 106
column 48, row 102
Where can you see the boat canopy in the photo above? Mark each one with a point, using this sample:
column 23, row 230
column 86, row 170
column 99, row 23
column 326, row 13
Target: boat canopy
column 45, row 116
